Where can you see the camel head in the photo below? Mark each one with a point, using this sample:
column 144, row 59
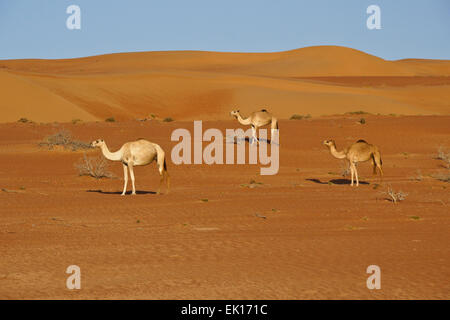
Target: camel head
column 97, row 143
column 329, row 143
column 234, row 113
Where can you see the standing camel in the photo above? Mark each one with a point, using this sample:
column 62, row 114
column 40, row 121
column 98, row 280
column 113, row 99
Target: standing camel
column 358, row 152
column 257, row 119
column 136, row 153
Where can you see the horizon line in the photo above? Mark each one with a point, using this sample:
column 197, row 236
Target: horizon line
column 224, row 52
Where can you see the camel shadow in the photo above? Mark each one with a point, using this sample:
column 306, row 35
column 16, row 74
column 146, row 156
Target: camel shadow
column 119, row 192
column 238, row 140
column 336, row 181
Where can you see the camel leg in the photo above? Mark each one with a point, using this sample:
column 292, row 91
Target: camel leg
column 274, row 126
column 125, row 179
column 381, row 173
column 351, row 171
column 161, row 174
column 254, row 139
column 130, row 166
column 356, row 175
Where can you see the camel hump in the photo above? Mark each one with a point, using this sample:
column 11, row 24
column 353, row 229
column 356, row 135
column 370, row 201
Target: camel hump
column 361, row 140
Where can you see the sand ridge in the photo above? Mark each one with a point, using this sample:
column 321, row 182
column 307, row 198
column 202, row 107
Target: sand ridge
column 188, row 85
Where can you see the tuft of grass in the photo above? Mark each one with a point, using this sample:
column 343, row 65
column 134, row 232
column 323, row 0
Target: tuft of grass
column 444, row 155
column 64, row 138
column 204, row 200
column 96, row 167
column 299, row 117
column 75, row 121
column 357, row 112
column 110, row 119
column 253, row 184
column 168, row 119
column 24, row 120
column 345, row 168
column 414, row 217
column 394, row 196
column 418, row 176
column 442, row 176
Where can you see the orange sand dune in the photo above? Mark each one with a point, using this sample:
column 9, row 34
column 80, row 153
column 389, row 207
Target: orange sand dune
column 188, row 85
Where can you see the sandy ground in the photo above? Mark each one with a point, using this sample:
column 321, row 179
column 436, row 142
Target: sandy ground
column 301, row 234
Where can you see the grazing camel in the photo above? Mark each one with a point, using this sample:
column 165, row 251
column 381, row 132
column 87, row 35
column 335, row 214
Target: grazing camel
column 358, row 152
column 136, row 153
column 257, row 119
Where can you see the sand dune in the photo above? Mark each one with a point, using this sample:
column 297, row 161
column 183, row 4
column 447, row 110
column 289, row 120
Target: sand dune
column 188, row 85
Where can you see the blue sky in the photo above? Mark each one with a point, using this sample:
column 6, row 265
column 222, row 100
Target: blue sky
column 37, row 29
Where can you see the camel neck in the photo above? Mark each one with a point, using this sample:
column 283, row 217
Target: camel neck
column 243, row 121
column 114, row 156
column 337, row 154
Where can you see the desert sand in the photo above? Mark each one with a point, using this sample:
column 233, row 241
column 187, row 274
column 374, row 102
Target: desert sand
column 225, row 231
column 188, row 85
column 301, row 234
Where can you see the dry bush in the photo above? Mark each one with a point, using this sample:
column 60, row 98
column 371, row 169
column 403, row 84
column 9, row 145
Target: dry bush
column 395, row 196
column 443, row 155
column 418, row 176
column 64, row 138
column 299, row 117
column 345, row 168
column 96, row 167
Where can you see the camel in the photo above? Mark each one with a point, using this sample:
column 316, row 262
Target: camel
column 136, row 153
column 358, row 152
column 257, row 119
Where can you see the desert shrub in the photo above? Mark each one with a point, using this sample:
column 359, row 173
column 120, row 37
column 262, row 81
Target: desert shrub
column 299, row 117
column 345, row 168
column 395, row 196
column 444, row 155
column 362, row 121
column 442, row 176
column 418, row 176
column 168, row 119
column 23, row 120
column 357, row 112
column 96, row 167
column 64, row 138
column 110, row 119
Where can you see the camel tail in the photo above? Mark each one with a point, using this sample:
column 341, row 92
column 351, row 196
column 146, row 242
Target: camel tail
column 162, row 165
column 377, row 162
